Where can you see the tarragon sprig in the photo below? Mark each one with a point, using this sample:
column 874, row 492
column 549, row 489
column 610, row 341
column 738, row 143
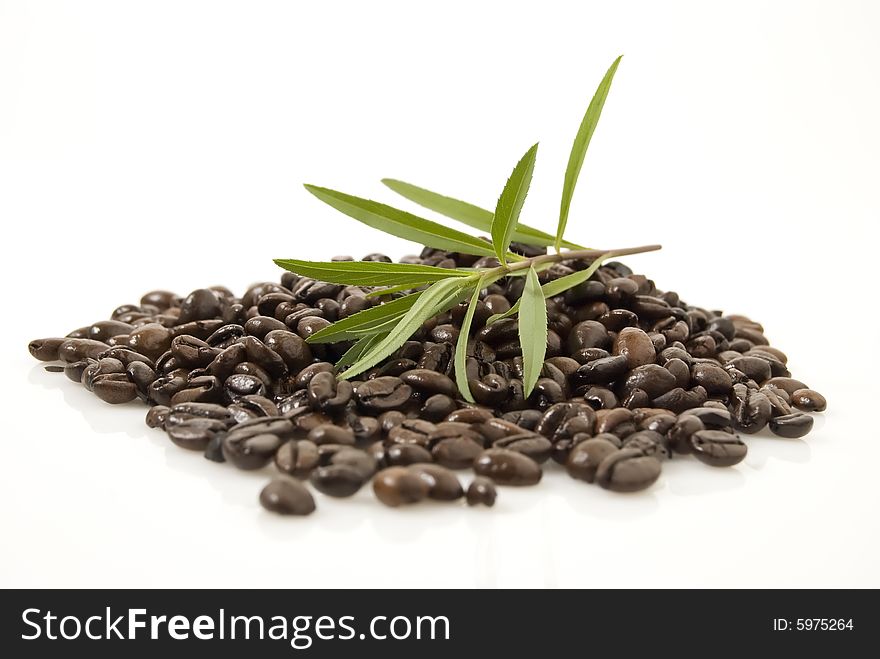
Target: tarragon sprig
column 380, row 330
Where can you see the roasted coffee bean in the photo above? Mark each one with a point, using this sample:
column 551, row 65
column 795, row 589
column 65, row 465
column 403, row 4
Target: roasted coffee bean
column 194, row 433
column 585, row 457
column 202, row 410
column 627, row 470
column 240, row 384
column 717, row 448
column 536, row 446
column 383, row 393
column 302, row 379
column 326, row 392
column 653, row 379
column 287, row 497
column 164, row 388
column 492, row 390
column 712, row 418
column 259, row 353
column 600, row 398
column 337, row 480
column 648, row 442
column 754, row 367
column 437, row 408
column 412, row 431
column 365, row 428
column 260, row 326
column 114, row 388
column 429, row 382
column 252, row 452
column 713, row 378
column 201, row 304
column 678, row 400
column 681, row 372
column 600, row 371
column 808, row 400
column 791, row 426
column 481, row 491
column 396, row 486
column 507, row 467
column 751, row 410
column 104, row 366
column 615, row 320
column 46, row 350
column 455, row 452
column 443, row 485
column 297, row 458
column 588, row 334
column 618, row 422
column 407, row 454
column 293, row 350
column 142, row 376
column 127, row 356
column 327, row 433
column 156, row 416
column 680, row 434
column 635, row 345
column 225, row 362
column 469, row 415
column 74, row 350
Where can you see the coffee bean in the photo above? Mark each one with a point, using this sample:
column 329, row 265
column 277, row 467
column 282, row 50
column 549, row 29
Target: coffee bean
column 653, row 379
column 253, row 452
column 713, row 378
column 585, row 457
column 754, row 367
column 337, row 480
column 481, row 491
column 648, row 442
column 437, row 408
column 396, row 486
column 808, row 400
column 791, row 426
column 327, row 433
column 194, row 433
column 114, row 388
column 287, row 497
column 201, row 304
column 326, row 392
column 74, row 350
column 507, row 467
column 680, row 434
column 635, row 345
column 443, row 485
column 407, row 454
column 412, row 431
column 712, row 418
column 46, row 350
column 157, row 415
column 535, row 446
column 297, row 458
column 751, row 410
column 383, row 393
column 717, row 448
column 429, row 382
column 291, row 348
column 627, row 470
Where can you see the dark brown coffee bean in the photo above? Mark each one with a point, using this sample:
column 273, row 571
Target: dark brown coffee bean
column 383, row 393
column 600, row 371
column 627, row 470
column 337, row 480
column 635, row 345
column 808, row 400
column 194, row 433
column 455, row 452
column 201, row 304
column 293, row 350
column 481, row 491
column 327, row 433
column 718, row 448
column 74, row 350
column 443, row 485
column 156, row 416
column 618, row 422
column 407, row 454
column 588, row 334
column 507, row 467
column 252, row 452
column 754, row 367
column 678, row 400
column 680, row 434
column 430, row 382
column 396, row 486
column 287, row 497
column 469, row 415
column 46, row 350
column 713, row 418
column 791, row 426
column 259, row 353
column 412, row 431
column 326, row 392
column 648, row 442
column 585, row 457
column 114, row 388
column 437, row 408
column 297, row 458
column 751, row 410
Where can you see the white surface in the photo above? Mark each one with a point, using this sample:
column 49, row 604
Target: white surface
column 163, row 146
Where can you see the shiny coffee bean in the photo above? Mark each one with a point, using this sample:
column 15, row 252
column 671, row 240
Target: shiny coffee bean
column 585, row 457
column 412, row 431
column 443, row 485
column 507, row 467
column 383, row 393
column 407, row 454
column 327, row 392
column 808, row 400
column 718, row 448
column 156, row 416
column 46, row 350
column 397, row 486
column 194, row 433
column 635, row 345
column 533, row 445
column 287, row 497
column 481, row 491
column 328, row 433
column 338, row 480
column 430, row 382
column 252, row 452
column 627, row 470
column 791, row 426
column 297, row 458
column 114, row 388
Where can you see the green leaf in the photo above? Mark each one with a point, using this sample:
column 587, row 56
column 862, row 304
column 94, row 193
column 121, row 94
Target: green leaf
column 532, row 330
column 402, row 224
column 366, row 321
column 438, row 298
column 369, row 273
column 511, row 201
column 379, row 292
column 473, row 216
column 579, row 148
column 557, row 286
column 461, row 345
column 359, row 349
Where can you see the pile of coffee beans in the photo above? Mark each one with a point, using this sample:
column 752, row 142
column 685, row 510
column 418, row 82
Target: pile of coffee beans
column 633, row 377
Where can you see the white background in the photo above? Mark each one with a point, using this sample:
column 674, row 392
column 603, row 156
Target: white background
column 163, row 145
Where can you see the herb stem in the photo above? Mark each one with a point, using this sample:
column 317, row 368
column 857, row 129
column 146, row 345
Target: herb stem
column 571, row 255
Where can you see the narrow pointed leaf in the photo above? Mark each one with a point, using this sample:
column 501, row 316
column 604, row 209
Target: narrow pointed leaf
column 437, row 299
column 461, row 346
column 511, row 201
column 473, row 216
column 532, row 330
column 402, row 224
column 579, row 148
column 359, row 349
column 557, row 286
column 379, row 292
column 369, row 273
column 364, row 321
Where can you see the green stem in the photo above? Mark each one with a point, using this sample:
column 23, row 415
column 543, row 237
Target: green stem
column 569, row 255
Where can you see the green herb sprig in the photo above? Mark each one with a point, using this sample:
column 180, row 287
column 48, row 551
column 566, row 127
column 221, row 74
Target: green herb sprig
column 380, row 330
